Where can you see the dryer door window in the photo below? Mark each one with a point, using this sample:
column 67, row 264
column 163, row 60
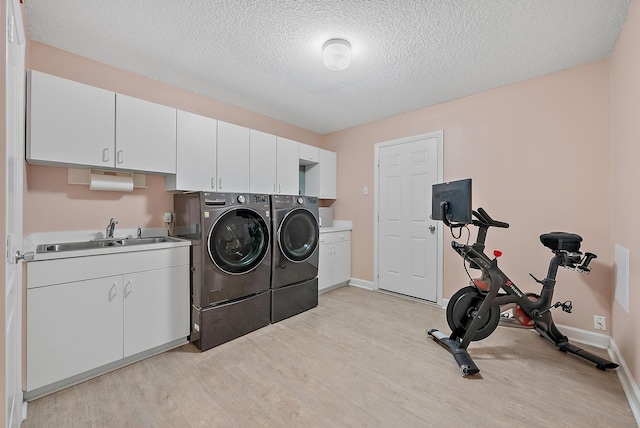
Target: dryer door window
column 298, row 235
column 238, row 241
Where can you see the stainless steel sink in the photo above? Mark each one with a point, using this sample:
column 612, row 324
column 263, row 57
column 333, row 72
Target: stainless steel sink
column 142, row 241
column 102, row 243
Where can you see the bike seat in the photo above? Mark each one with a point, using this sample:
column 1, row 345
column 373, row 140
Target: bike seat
column 561, row 241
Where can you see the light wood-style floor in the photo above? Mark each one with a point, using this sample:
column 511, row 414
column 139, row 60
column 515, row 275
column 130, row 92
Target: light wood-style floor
column 360, row 359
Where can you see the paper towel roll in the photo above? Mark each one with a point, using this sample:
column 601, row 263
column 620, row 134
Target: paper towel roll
column 118, row 183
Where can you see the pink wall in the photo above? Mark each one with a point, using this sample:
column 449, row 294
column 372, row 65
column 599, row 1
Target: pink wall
column 53, row 205
column 625, row 177
column 538, row 152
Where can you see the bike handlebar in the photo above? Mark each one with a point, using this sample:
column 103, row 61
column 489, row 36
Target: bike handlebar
column 485, row 219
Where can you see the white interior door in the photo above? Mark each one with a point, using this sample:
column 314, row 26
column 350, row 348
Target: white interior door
column 15, row 89
column 407, row 237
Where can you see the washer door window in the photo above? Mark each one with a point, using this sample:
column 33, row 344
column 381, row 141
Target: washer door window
column 238, row 241
column 298, row 235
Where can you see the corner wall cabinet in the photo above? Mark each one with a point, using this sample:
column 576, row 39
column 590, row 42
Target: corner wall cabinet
column 334, row 266
column 87, row 313
column 321, row 177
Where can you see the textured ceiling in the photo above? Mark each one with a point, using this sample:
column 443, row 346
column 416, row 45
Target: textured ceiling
column 266, row 55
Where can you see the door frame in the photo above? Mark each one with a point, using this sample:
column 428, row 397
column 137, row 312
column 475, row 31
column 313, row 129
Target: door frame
column 14, row 406
column 439, row 135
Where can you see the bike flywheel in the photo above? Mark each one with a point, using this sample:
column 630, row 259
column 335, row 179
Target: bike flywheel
column 463, row 308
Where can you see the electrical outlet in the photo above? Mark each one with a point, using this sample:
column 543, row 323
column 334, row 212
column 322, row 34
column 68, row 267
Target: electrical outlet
column 167, row 217
column 599, row 322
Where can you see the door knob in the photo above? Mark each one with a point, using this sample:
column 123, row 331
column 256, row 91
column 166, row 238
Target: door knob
column 432, row 228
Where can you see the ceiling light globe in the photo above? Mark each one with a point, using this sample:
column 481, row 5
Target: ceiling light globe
column 336, row 54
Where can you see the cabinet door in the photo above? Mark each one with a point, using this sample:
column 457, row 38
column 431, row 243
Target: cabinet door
column 156, row 308
column 262, row 162
column 69, row 123
column 341, row 262
column 324, row 265
column 327, row 174
column 195, row 154
column 145, row 136
column 233, row 158
column 288, row 167
column 309, row 155
column 71, row 328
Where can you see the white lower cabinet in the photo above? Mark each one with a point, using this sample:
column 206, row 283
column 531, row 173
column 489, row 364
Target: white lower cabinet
column 79, row 319
column 335, row 259
column 72, row 328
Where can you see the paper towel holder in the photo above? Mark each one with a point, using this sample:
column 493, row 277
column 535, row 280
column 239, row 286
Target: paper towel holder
column 83, row 176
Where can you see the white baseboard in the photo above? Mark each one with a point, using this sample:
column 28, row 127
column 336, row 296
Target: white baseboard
column 592, row 338
column 369, row 285
column 629, row 384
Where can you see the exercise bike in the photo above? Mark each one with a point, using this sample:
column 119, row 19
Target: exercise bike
column 474, row 312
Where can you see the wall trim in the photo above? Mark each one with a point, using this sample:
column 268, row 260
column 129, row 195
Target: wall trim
column 356, row 282
column 629, row 384
column 586, row 337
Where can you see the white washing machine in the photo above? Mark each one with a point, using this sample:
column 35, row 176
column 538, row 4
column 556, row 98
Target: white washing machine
column 230, row 263
column 295, row 255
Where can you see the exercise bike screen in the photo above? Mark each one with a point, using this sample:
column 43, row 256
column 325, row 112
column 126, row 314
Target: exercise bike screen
column 457, row 195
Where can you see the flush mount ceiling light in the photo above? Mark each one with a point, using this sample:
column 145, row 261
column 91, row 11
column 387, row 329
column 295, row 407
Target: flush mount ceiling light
column 336, row 54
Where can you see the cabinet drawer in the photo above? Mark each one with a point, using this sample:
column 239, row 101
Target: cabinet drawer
column 333, row 237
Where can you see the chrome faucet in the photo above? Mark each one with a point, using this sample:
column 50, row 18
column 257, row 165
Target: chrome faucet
column 139, row 232
column 111, row 227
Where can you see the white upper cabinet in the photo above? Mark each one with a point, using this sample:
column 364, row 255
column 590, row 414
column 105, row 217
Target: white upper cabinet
column 320, row 179
column 72, row 124
column 287, row 167
column 69, row 123
column 309, row 155
column 196, row 154
column 233, row 158
column 328, row 172
column 145, row 136
column 262, row 163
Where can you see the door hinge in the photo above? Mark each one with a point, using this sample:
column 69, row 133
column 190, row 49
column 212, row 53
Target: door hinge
column 10, row 26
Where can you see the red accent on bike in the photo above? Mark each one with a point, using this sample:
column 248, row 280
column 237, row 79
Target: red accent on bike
column 484, row 286
column 497, row 253
column 523, row 318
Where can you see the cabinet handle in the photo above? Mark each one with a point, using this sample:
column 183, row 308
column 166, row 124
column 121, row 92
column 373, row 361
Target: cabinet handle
column 213, row 183
column 279, row 188
column 120, row 156
column 113, row 291
column 105, row 155
column 128, row 288
column 219, row 183
column 274, row 187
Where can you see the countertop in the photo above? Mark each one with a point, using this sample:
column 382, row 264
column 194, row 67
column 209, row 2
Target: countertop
column 35, row 239
column 338, row 226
